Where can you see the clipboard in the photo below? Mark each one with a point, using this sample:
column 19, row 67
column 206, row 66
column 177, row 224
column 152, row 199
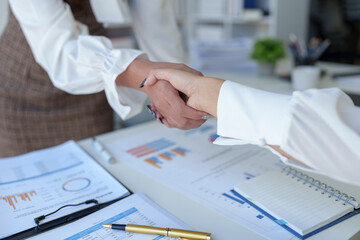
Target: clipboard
column 40, row 226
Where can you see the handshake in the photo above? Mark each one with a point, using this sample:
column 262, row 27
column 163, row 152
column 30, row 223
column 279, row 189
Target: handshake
column 187, row 97
column 201, row 96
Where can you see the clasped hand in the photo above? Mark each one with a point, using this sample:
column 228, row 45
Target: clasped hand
column 170, row 106
column 202, row 92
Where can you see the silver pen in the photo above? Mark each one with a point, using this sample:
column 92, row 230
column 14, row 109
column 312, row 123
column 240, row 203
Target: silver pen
column 103, row 152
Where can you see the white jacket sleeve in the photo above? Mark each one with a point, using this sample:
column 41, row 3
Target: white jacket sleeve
column 76, row 62
column 321, row 128
column 156, row 30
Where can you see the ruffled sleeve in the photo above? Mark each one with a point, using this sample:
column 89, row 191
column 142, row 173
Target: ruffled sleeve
column 319, row 127
column 75, row 61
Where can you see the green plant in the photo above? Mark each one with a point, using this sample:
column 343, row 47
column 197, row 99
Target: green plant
column 268, row 50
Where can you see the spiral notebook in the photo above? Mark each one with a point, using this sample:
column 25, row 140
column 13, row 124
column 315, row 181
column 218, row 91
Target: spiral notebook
column 302, row 203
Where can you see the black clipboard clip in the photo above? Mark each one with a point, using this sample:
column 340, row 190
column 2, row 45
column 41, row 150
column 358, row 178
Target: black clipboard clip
column 67, row 218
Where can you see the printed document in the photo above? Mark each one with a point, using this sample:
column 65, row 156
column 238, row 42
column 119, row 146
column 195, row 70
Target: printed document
column 40, row 182
column 189, row 162
column 134, row 209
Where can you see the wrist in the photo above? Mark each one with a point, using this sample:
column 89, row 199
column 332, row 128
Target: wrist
column 134, row 74
column 209, row 94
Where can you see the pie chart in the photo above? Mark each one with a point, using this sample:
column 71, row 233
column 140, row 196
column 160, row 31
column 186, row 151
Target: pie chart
column 76, row 184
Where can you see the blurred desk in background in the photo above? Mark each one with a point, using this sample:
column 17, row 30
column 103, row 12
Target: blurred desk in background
column 283, row 85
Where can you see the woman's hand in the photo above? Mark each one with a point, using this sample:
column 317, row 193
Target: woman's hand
column 202, row 92
column 168, row 105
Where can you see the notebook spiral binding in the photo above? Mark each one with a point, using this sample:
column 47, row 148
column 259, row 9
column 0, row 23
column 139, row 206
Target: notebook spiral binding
column 319, row 185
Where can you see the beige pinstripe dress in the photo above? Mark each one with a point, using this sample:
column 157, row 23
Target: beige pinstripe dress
column 33, row 113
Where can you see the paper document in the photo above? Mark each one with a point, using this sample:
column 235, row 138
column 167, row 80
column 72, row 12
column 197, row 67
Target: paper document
column 135, row 209
column 40, row 182
column 188, row 162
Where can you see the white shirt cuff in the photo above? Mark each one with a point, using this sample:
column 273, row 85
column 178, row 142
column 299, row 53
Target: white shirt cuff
column 251, row 114
column 125, row 101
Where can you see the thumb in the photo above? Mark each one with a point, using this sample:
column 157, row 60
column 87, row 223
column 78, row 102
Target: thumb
column 181, row 80
column 156, row 75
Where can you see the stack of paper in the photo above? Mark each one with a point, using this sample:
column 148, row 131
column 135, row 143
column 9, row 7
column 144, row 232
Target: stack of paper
column 222, row 56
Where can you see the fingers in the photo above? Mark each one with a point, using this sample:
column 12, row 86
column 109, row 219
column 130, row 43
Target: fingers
column 182, row 123
column 185, row 82
column 171, row 109
column 188, row 117
column 152, row 111
column 181, row 116
column 179, row 106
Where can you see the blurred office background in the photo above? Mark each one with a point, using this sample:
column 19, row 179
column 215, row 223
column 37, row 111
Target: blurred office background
column 219, row 34
column 224, row 19
column 221, row 20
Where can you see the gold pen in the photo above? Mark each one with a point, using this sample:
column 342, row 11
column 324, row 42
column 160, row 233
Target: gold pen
column 168, row 232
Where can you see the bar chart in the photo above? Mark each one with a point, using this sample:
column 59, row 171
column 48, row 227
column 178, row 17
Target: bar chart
column 158, row 161
column 150, row 147
column 15, row 199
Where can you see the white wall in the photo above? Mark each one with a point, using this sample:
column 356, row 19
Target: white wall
column 290, row 16
column 3, row 14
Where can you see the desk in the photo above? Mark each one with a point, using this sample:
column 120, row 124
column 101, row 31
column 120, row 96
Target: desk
column 276, row 84
column 192, row 213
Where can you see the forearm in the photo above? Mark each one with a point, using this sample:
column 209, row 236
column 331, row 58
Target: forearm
column 75, row 61
column 134, row 74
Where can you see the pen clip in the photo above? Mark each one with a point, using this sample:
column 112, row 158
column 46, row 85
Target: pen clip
column 68, row 217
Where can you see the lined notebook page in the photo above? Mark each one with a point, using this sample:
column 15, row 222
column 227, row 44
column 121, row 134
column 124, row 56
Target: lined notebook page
column 348, row 189
column 285, row 197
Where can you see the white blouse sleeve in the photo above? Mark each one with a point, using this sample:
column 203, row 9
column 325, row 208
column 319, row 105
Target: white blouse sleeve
column 249, row 114
column 321, row 128
column 76, row 62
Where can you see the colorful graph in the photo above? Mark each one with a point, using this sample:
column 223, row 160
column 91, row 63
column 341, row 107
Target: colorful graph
column 180, row 151
column 76, row 184
column 213, row 137
column 167, row 155
column 158, row 160
column 155, row 161
column 150, row 147
column 14, row 199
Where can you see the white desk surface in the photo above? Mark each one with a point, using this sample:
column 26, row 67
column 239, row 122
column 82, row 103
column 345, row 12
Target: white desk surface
column 199, row 217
